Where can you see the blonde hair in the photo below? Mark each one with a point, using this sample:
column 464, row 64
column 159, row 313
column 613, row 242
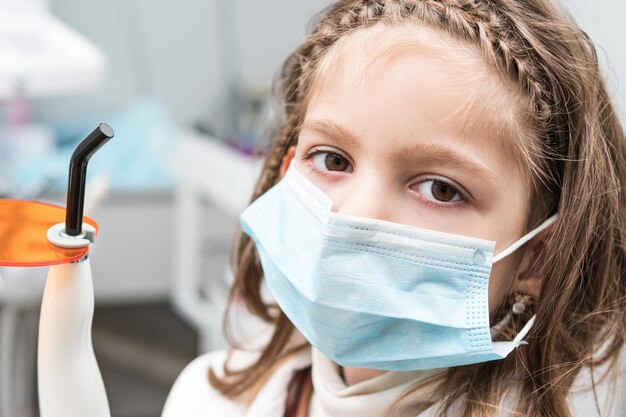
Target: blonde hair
column 575, row 152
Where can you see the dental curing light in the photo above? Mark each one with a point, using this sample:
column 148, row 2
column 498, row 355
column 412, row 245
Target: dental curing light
column 36, row 234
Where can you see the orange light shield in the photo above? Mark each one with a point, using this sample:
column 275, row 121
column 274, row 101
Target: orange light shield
column 23, row 234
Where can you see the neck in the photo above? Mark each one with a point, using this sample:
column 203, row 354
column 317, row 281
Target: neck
column 355, row 375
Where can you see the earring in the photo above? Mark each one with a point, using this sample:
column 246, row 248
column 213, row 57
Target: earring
column 520, row 302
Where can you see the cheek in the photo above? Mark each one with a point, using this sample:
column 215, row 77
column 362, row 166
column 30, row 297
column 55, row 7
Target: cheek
column 503, row 275
column 336, row 189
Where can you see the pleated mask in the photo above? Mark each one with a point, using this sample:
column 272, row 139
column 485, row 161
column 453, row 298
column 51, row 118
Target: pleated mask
column 375, row 294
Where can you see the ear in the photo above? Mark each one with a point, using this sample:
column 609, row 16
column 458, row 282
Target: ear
column 529, row 280
column 287, row 160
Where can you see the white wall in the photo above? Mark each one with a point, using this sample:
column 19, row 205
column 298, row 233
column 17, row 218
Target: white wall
column 604, row 21
column 176, row 49
column 268, row 30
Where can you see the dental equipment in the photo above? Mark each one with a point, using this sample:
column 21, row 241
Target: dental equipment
column 34, row 234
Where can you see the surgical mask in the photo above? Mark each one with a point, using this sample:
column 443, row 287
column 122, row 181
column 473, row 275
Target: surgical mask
column 374, row 294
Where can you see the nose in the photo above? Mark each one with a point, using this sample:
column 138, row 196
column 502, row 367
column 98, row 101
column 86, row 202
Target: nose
column 366, row 197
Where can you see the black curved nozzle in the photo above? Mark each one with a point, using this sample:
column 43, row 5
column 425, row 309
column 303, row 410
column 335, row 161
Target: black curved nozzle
column 78, row 175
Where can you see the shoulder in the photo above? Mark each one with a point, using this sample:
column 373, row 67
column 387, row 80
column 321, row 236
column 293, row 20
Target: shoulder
column 192, row 394
column 609, row 396
column 600, row 392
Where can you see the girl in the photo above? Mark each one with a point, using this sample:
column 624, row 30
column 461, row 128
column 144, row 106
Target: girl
column 440, row 222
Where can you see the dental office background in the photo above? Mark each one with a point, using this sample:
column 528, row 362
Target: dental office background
column 186, row 86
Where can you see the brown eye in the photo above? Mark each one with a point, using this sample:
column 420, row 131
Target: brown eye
column 336, row 162
column 442, row 191
column 438, row 191
column 328, row 161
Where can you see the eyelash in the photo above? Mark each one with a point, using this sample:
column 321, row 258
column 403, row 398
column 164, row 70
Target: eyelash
column 318, row 151
column 463, row 199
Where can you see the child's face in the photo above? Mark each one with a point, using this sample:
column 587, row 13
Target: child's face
column 410, row 140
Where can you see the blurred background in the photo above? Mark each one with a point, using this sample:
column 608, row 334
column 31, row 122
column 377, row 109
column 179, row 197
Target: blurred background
column 186, row 87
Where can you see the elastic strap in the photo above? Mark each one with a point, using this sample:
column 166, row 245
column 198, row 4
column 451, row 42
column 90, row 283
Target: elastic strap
column 517, row 244
column 519, row 339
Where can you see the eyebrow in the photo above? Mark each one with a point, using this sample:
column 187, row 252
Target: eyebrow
column 433, row 153
column 331, row 131
column 440, row 155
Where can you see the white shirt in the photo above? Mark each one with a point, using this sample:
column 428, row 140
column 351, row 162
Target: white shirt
column 193, row 396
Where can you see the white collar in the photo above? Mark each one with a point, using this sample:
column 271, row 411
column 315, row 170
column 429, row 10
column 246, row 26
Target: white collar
column 369, row 398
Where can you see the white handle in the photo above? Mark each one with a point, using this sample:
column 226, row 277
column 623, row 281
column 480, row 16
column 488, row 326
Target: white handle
column 70, row 383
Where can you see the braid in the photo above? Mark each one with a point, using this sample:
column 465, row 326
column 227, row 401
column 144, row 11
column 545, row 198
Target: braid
column 490, row 25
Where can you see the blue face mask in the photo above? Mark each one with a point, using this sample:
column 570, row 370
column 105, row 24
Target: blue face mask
column 374, row 294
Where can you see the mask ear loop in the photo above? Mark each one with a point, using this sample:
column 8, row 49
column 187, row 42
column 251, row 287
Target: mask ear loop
column 524, row 239
column 518, row 340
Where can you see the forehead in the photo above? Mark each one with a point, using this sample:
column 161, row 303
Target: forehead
column 439, row 80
